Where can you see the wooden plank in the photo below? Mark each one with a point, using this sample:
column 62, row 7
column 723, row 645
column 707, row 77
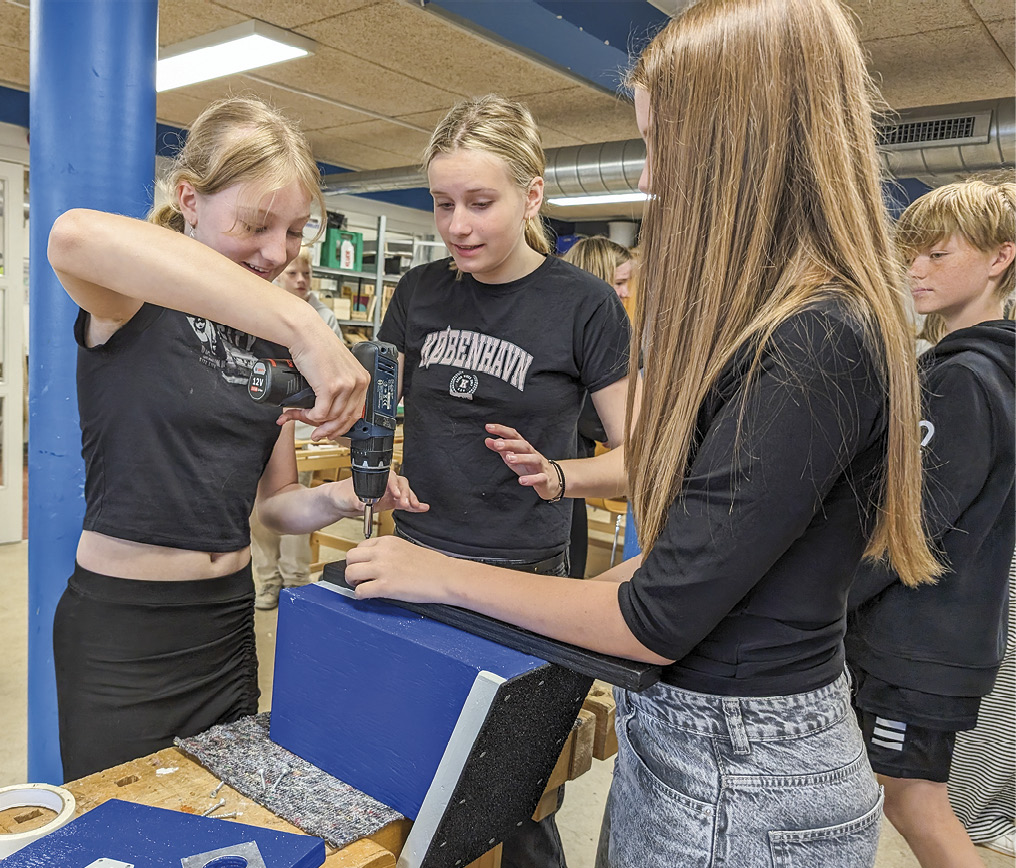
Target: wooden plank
column 322, row 459
column 490, row 859
column 364, row 853
column 584, row 737
column 600, row 702
column 547, row 805
column 170, row 779
column 559, row 774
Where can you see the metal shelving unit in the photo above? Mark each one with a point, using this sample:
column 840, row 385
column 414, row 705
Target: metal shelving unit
column 411, row 247
column 377, row 276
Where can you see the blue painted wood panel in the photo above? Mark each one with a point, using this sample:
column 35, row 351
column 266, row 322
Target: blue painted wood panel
column 156, row 838
column 371, row 693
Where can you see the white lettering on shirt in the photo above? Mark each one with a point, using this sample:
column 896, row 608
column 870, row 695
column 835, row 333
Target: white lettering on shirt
column 475, row 351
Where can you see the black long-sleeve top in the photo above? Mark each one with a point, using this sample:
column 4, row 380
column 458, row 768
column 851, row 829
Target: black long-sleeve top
column 746, row 586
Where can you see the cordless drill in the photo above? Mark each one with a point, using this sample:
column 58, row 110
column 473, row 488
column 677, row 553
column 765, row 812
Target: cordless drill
column 371, row 439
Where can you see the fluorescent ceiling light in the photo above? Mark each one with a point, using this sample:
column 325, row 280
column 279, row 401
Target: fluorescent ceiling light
column 606, row 199
column 249, row 45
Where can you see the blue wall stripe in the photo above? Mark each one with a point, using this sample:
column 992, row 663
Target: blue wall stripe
column 14, row 106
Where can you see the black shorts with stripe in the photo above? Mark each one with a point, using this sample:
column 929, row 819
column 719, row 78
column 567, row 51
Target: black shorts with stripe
column 904, row 750
column 909, row 733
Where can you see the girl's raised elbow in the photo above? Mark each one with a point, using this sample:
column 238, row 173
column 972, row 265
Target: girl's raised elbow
column 65, row 238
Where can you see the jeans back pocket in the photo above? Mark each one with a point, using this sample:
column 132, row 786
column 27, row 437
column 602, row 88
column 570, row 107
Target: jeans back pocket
column 846, row 845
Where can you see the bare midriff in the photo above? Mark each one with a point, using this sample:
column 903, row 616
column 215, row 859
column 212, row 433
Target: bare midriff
column 124, row 559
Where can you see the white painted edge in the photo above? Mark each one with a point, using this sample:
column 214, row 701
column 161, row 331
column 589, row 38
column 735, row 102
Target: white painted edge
column 55, row 799
column 338, row 589
column 449, row 770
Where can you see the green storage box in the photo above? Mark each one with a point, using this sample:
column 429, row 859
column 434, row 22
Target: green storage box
column 342, row 249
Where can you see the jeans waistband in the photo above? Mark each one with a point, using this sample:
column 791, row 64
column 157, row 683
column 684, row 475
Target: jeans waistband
column 522, row 565
column 765, row 718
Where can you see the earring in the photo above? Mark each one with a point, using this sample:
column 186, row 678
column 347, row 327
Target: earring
column 189, row 231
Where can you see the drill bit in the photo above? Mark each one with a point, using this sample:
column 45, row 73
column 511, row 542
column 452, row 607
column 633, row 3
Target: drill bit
column 368, row 520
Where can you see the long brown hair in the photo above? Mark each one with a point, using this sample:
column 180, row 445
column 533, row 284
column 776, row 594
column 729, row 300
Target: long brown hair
column 981, row 212
column 239, row 140
column 766, row 196
column 505, row 129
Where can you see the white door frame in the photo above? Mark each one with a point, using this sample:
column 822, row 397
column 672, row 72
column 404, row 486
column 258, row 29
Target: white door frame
column 12, row 383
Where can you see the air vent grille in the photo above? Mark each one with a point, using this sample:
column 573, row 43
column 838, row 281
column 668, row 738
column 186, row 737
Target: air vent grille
column 927, row 132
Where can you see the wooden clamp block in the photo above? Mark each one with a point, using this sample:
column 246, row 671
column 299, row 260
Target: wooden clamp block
column 600, row 702
column 582, row 747
column 454, row 731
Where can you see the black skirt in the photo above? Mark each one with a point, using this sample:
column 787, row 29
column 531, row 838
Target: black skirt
column 139, row 663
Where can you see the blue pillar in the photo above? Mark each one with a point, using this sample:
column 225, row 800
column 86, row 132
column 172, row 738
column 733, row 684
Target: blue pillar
column 631, row 538
column 92, row 123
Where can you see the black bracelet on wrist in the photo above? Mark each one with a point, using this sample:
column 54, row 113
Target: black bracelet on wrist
column 560, row 479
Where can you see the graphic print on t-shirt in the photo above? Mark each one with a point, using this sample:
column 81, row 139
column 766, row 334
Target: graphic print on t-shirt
column 225, row 348
column 475, row 351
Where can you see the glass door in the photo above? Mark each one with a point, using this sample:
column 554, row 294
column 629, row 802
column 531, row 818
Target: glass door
column 12, row 355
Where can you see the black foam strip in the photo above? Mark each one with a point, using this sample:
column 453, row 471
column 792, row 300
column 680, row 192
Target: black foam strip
column 508, row 768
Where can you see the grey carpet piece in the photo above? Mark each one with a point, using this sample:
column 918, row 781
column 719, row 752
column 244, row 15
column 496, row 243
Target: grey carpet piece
column 242, row 755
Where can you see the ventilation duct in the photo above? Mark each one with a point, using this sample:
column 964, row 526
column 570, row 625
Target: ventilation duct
column 936, row 145
column 942, row 144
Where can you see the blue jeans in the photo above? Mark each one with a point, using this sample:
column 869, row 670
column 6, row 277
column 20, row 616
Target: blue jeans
column 769, row 782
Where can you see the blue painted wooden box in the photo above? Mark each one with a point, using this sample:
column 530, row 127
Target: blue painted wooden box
column 455, row 731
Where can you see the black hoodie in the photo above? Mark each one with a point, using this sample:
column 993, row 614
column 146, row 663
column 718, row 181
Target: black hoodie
column 947, row 639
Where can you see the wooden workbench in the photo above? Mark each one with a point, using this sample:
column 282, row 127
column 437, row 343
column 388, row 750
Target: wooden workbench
column 171, row 779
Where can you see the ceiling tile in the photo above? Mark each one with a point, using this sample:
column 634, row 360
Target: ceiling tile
column 881, row 19
column 178, row 109
column 293, row 13
column 584, row 114
column 427, row 120
column 555, row 139
column 993, row 10
column 330, row 147
column 310, row 112
column 391, row 138
column 14, row 67
column 1004, row 33
column 180, row 20
column 358, row 82
column 426, row 47
column 961, row 64
column 13, row 26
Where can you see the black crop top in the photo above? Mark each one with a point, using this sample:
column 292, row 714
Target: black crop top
column 173, row 445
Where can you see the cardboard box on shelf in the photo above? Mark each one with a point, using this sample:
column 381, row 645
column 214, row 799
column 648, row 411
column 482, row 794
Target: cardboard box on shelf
column 342, row 308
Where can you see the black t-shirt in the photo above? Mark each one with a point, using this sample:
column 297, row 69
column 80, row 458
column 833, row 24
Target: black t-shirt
column 522, row 354
column 746, row 586
column 173, row 445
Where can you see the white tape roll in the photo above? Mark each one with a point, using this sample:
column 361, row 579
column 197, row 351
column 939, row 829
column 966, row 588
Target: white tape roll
column 56, row 799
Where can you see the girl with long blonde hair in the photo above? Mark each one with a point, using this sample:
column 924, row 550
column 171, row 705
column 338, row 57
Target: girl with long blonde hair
column 775, row 448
